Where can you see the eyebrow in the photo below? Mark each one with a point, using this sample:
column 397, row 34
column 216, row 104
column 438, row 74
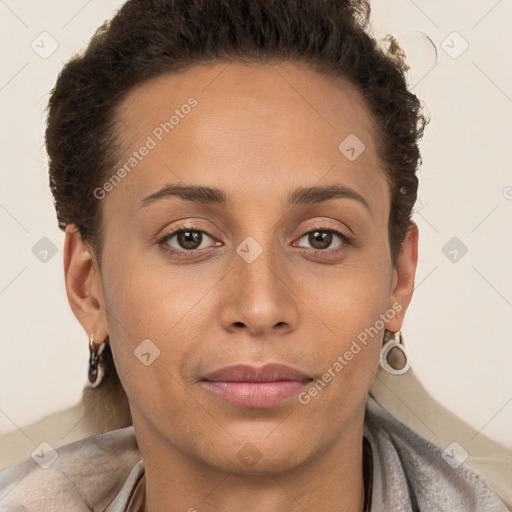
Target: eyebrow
column 216, row 196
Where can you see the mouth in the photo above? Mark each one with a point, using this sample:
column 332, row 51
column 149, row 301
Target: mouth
column 249, row 386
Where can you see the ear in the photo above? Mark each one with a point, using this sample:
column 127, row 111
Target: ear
column 83, row 285
column 403, row 278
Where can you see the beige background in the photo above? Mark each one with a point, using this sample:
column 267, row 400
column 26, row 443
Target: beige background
column 459, row 326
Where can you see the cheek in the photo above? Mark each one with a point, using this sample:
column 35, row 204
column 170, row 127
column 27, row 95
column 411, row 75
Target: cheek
column 352, row 309
column 155, row 317
column 349, row 299
column 135, row 312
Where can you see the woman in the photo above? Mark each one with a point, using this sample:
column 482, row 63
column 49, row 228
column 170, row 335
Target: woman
column 235, row 181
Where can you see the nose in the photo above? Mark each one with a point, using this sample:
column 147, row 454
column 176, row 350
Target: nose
column 260, row 297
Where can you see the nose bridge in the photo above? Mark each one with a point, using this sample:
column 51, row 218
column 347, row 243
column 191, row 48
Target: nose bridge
column 257, row 267
column 260, row 298
column 257, row 263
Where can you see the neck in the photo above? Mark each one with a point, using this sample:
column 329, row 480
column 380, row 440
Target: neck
column 331, row 481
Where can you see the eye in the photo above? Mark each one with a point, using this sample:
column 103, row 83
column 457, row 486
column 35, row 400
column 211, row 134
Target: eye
column 185, row 240
column 320, row 239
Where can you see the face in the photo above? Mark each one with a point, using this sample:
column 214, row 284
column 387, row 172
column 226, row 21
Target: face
column 286, row 261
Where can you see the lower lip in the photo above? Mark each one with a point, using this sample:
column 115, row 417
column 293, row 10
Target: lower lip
column 256, row 394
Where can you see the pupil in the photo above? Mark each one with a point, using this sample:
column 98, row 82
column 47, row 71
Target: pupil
column 189, row 239
column 324, row 237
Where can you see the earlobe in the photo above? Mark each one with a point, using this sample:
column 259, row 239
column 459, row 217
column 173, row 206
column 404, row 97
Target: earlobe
column 83, row 284
column 403, row 277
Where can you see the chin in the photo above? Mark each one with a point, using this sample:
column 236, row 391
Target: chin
column 263, row 454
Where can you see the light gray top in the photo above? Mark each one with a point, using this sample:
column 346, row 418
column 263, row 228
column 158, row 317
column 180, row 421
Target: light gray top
column 105, row 472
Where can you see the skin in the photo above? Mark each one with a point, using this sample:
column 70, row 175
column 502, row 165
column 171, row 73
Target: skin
column 258, row 133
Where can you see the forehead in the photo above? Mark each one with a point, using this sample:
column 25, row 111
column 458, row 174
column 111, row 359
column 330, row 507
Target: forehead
column 260, row 125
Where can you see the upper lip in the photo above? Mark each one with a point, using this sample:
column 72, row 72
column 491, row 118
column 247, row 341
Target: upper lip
column 270, row 372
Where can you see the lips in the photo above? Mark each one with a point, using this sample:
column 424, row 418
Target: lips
column 271, row 372
column 249, row 386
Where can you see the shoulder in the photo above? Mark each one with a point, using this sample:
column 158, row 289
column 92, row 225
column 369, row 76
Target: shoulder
column 412, row 473
column 80, row 476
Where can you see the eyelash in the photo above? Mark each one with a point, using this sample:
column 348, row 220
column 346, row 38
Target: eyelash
column 346, row 241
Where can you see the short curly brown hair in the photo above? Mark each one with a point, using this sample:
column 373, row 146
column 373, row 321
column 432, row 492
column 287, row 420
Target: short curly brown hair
column 147, row 38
